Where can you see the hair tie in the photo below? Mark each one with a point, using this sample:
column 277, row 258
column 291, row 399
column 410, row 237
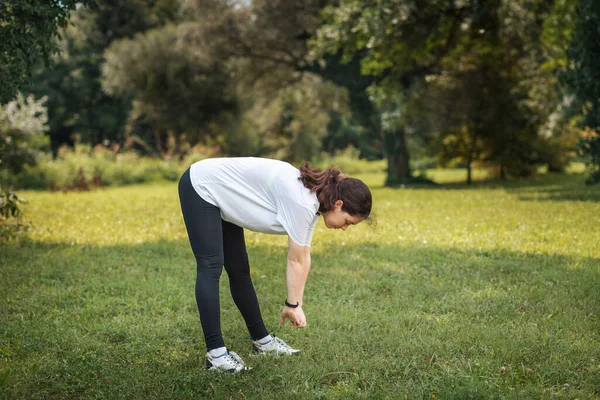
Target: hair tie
column 341, row 177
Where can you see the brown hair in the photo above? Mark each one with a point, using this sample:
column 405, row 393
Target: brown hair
column 331, row 185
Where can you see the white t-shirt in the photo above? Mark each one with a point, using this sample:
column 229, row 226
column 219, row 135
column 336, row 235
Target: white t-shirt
column 258, row 194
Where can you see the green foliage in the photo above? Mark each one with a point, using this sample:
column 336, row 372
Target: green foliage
column 497, row 58
column 583, row 77
column 479, row 120
column 396, row 38
column 269, row 35
column 589, row 150
column 292, row 125
column 11, row 215
column 363, row 126
column 284, row 105
column 22, row 127
column 28, row 29
column 76, row 102
column 240, row 76
column 348, row 161
column 460, row 292
column 9, row 205
column 184, row 92
column 395, row 44
column 83, row 167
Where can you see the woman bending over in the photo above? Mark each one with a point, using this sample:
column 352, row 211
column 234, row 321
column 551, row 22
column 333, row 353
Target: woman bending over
column 221, row 197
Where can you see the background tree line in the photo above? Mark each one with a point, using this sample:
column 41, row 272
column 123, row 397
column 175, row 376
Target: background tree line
column 508, row 85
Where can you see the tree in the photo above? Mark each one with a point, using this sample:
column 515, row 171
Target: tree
column 175, row 87
column 583, row 77
column 28, row 29
column 76, row 102
column 274, row 36
column 476, row 105
column 292, row 125
column 476, row 57
column 285, row 105
column 22, row 126
column 397, row 44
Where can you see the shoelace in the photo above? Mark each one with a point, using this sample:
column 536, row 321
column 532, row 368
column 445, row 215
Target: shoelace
column 231, row 358
column 281, row 344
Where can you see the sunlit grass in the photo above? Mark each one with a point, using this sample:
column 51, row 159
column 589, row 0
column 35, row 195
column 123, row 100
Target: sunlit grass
column 457, row 292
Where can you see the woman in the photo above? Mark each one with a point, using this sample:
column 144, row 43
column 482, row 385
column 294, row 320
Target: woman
column 222, row 196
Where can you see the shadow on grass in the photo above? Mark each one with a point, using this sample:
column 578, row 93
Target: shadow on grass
column 166, row 263
column 120, row 321
column 551, row 187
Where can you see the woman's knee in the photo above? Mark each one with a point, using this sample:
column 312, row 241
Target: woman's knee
column 240, row 276
column 211, row 264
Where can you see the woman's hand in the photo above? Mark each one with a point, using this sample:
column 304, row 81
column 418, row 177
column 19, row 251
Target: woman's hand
column 295, row 315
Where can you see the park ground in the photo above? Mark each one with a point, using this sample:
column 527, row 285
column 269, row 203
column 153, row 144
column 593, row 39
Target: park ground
column 488, row 291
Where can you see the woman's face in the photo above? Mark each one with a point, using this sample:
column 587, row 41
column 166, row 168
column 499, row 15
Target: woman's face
column 338, row 219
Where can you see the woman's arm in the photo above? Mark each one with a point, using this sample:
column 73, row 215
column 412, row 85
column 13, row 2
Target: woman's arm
column 298, row 265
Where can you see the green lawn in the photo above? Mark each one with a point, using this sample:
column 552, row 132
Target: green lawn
column 491, row 291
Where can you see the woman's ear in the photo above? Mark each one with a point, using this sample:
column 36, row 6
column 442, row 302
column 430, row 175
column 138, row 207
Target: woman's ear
column 339, row 204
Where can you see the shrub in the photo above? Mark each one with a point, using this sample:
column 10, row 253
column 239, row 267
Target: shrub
column 22, row 127
column 11, row 216
column 348, row 162
column 83, row 167
column 422, row 164
column 589, row 150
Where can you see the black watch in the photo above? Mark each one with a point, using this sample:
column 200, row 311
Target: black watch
column 291, row 305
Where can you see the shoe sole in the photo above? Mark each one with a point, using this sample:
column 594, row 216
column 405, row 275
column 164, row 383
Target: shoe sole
column 259, row 352
column 211, row 367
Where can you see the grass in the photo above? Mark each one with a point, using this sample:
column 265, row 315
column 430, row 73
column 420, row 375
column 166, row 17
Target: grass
column 491, row 291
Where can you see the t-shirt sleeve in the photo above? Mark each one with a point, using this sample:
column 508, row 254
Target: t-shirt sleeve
column 297, row 220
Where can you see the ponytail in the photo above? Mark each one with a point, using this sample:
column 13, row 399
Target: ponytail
column 331, row 185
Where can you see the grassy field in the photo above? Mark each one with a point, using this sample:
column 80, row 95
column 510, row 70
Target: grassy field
column 490, row 291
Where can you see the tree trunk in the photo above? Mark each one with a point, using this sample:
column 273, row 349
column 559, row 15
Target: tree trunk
column 159, row 144
column 470, row 160
column 397, row 157
column 172, row 147
column 469, row 171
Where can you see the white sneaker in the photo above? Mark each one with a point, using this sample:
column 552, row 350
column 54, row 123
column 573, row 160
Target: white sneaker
column 227, row 362
column 275, row 346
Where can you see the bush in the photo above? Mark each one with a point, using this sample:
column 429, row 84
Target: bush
column 11, row 216
column 22, row 127
column 82, row 167
column 422, row 164
column 22, row 141
column 348, row 162
column 589, row 150
column 197, row 153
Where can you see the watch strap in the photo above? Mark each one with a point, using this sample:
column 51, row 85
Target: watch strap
column 291, row 305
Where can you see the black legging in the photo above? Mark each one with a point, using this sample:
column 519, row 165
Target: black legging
column 215, row 243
